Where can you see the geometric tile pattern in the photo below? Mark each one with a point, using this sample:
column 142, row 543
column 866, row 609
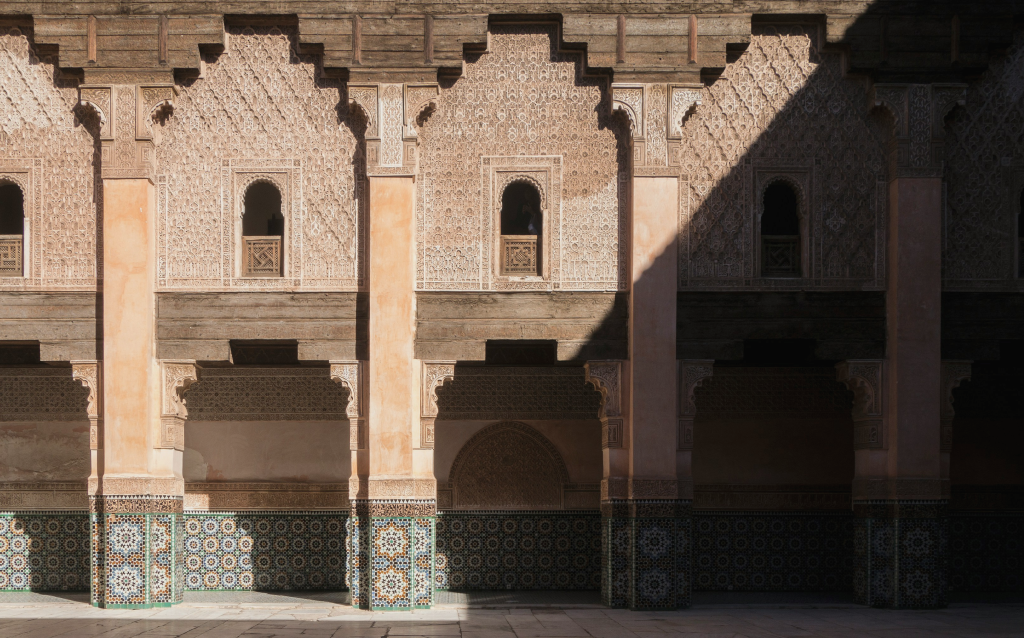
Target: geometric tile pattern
column 391, row 557
column 137, row 559
column 773, row 551
column 521, row 550
column 44, row 551
column 901, row 558
column 647, row 549
column 265, row 551
column 987, row 552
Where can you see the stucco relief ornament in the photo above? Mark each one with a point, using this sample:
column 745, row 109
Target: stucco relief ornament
column 434, row 374
column 953, row 374
column 350, row 375
column 177, row 377
column 692, row 374
column 90, row 375
column 605, row 376
column 863, row 377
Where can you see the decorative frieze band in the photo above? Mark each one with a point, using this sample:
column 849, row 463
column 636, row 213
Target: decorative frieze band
column 265, row 496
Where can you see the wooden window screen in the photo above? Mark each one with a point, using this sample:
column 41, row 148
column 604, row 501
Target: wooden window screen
column 519, row 254
column 780, row 255
column 10, row 256
column 262, row 256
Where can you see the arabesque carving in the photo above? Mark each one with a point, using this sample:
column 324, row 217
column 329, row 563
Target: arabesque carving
column 864, row 377
column 48, row 152
column 984, row 177
column 782, row 103
column 434, row 374
column 177, row 376
column 266, row 394
column 524, row 97
column 506, row 466
column 606, row 377
column 260, row 108
column 90, row 375
column 350, row 374
column 918, row 112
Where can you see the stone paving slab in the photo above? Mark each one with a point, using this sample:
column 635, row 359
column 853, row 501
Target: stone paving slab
column 291, row 616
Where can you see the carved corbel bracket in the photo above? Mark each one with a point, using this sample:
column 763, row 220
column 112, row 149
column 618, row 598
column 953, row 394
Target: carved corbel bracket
column 918, row 112
column 692, row 374
column 98, row 99
column 418, row 99
column 388, row 152
column 864, row 377
column 606, row 378
column 90, row 375
column 683, row 101
column 629, row 98
column 952, row 374
column 350, row 374
column 177, row 376
column 434, row 374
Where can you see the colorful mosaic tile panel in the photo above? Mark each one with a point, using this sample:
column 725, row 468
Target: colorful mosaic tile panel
column 661, row 563
column 901, row 556
column 264, row 551
column 766, row 551
column 44, row 551
column 518, row 550
column 987, row 553
column 136, row 559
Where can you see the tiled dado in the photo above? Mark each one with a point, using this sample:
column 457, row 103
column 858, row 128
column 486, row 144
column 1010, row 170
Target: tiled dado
column 901, row 555
column 647, row 554
column 44, row 551
column 773, row 551
column 266, row 551
column 137, row 551
column 986, row 552
column 391, row 554
column 518, row 550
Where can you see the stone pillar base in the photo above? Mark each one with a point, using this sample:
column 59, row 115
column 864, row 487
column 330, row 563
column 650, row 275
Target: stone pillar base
column 391, row 554
column 646, row 548
column 137, row 551
column 901, row 554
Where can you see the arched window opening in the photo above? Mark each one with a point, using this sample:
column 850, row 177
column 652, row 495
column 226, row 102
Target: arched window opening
column 780, row 232
column 1020, row 237
column 263, row 231
column 12, row 230
column 521, row 229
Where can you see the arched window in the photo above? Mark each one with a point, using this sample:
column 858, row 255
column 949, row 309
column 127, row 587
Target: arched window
column 521, row 229
column 12, row 230
column 780, row 232
column 262, row 232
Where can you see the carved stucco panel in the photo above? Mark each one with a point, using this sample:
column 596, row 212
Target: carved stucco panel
column 522, row 98
column 49, row 153
column 259, row 101
column 782, row 103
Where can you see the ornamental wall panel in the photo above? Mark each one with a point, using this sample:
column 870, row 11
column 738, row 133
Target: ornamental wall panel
column 48, row 152
column 783, row 109
column 262, row 112
column 984, row 177
column 523, row 106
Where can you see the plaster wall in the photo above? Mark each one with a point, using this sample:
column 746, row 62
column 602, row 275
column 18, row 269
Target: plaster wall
column 281, row 451
column 35, row 451
column 987, row 451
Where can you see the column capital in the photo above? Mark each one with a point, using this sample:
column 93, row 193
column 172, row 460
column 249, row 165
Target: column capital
column 606, row 377
column 391, row 112
column 656, row 113
column 953, row 373
column 176, row 377
column 864, row 377
column 433, row 375
column 692, row 374
column 352, row 375
column 918, row 111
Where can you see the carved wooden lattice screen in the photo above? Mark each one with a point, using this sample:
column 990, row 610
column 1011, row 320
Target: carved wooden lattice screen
column 262, row 256
column 10, row 256
column 519, row 254
column 780, row 256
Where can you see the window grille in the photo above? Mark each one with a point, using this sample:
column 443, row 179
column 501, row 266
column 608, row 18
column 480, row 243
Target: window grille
column 519, row 254
column 10, row 256
column 780, row 255
column 262, row 256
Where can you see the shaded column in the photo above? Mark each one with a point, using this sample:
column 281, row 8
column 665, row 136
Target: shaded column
column 391, row 527
column 136, row 488
column 899, row 494
column 647, row 534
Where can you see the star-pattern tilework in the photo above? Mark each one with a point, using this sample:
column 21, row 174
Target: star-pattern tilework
column 987, row 552
column 137, row 559
column 264, row 551
column 773, row 551
column 44, row 551
column 518, row 550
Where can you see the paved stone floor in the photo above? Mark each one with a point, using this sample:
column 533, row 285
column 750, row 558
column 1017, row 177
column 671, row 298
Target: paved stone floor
column 317, row 615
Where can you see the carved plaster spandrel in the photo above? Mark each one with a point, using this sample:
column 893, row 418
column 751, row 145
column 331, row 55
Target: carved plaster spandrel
column 606, row 377
column 434, row 374
column 177, row 376
column 918, row 112
column 350, row 374
column 864, row 377
column 90, row 375
column 953, row 373
column 692, row 374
